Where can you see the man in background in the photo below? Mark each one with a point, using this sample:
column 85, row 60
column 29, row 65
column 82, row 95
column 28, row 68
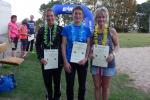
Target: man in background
column 31, row 28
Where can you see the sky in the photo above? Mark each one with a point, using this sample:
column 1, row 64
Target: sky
column 24, row 8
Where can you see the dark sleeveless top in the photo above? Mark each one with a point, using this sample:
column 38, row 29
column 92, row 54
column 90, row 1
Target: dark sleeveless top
column 110, row 44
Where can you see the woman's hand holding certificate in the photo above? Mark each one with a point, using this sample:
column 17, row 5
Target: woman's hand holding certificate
column 100, row 54
column 110, row 57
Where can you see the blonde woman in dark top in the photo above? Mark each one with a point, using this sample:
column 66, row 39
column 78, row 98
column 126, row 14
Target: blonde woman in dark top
column 106, row 36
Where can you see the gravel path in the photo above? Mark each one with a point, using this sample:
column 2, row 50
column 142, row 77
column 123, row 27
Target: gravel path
column 136, row 63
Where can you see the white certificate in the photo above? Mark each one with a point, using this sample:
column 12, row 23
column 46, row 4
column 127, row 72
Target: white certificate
column 78, row 51
column 100, row 54
column 51, row 56
column 30, row 37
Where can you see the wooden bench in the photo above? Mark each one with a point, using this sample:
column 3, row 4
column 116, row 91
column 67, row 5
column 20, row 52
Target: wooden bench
column 15, row 61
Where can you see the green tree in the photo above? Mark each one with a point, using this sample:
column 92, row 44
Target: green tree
column 39, row 23
column 143, row 11
column 42, row 9
column 50, row 4
column 122, row 12
column 66, row 18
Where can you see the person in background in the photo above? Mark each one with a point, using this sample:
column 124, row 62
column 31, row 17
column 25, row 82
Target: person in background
column 107, row 36
column 13, row 34
column 23, row 31
column 49, row 38
column 31, row 31
column 75, row 32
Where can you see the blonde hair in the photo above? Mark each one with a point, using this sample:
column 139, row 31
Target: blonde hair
column 101, row 10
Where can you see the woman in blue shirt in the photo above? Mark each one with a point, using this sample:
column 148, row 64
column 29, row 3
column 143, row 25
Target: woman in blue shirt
column 75, row 32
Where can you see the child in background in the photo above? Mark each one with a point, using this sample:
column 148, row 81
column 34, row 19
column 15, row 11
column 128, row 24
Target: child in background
column 23, row 37
column 13, row 34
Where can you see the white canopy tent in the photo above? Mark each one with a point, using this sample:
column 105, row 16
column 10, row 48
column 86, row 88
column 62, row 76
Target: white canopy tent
column 5, row 14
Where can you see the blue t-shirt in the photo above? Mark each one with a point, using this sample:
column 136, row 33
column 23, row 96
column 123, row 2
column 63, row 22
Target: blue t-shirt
column 31, row 27
column 67, row 32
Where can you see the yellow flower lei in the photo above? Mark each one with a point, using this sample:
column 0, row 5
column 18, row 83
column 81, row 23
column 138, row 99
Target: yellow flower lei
column 97, row 32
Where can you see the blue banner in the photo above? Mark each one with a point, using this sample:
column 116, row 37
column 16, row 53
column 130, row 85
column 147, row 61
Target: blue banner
column 67, row 9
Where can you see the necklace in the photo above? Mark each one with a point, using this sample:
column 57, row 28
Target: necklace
column 80, row 36
column 48, row 42
column 97, row 32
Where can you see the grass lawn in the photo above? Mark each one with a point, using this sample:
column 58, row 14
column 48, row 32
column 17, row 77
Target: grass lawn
column 30, row 83
column 134, row 39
